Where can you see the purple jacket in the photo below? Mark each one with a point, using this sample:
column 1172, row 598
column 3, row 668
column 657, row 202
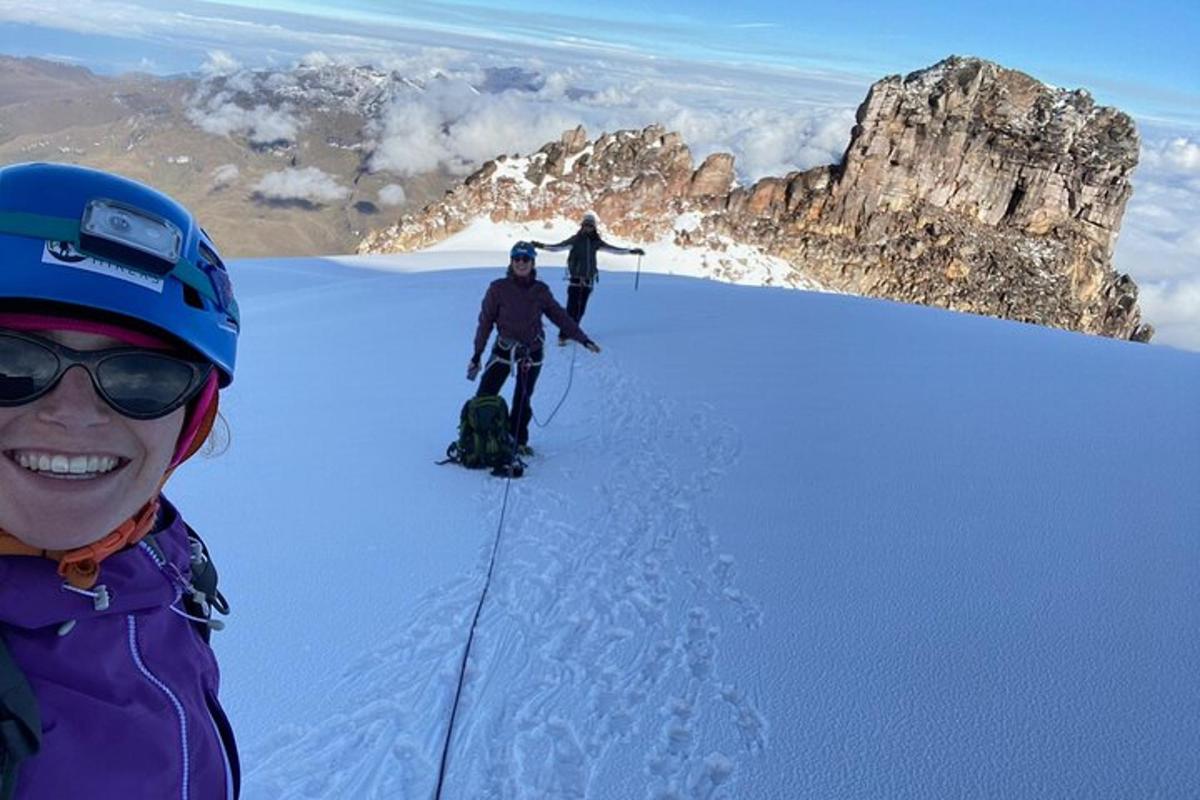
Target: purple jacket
column 128, row 696
column 515, row 307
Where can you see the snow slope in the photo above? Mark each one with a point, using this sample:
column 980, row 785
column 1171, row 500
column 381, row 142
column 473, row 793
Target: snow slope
column 774, row 544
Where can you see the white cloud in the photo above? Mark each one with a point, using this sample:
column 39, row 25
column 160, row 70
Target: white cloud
column 1159, row 238
column 412, row 141
column 1178, row 155
column 766, row 142
column 261, row 124
column 1159, row 243
column 316, row 58
column 220, row 62
column 248, row 81
column 307, row 184
column 276, row 81
column 225, row 175
column 392, row 195
column 1173, row 307
column 453, row 127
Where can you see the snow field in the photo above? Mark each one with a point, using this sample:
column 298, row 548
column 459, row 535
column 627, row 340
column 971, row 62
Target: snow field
column 775, row 544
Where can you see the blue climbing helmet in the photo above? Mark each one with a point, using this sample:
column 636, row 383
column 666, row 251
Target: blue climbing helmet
column 74, row 235
column 523, row 250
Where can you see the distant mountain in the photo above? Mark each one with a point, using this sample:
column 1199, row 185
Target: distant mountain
column 965, row 185
column 274, row 162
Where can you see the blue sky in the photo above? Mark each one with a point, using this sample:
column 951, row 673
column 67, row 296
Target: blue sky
column 1142, row 59
column 1153, row 44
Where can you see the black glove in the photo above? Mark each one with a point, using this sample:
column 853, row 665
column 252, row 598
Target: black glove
column 472, row 369
column 637, row 251
column 537, row 244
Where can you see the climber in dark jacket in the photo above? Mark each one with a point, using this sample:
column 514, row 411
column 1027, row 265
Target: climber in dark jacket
column 514, row 305
column 581, row 264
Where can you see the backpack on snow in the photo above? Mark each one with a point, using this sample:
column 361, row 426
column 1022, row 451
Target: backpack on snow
column 484, row 439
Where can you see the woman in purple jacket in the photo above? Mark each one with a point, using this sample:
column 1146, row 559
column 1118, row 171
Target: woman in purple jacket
column 118, row 328
column 514, row 305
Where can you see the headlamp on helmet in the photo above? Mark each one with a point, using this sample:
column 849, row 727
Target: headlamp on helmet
column 112, row 230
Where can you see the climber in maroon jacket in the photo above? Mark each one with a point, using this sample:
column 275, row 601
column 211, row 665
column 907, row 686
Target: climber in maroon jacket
column 514, row 305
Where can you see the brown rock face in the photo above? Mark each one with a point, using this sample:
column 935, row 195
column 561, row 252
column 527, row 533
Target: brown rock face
column 714, row 177
column 965, row 185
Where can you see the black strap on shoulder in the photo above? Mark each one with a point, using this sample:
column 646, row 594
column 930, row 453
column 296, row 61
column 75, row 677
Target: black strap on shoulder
column 20, row 722
column 206, row 597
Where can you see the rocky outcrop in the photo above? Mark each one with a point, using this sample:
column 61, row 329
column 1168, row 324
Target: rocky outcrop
column 965, row 185
column 715, row 176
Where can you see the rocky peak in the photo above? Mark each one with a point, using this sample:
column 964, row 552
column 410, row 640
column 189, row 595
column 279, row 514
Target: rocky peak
column 990, row 145
column 965, row 185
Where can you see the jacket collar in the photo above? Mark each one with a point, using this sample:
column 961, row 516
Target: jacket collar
column 32, row 594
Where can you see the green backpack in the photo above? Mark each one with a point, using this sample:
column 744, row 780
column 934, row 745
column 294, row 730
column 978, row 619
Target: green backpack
column 483, row 436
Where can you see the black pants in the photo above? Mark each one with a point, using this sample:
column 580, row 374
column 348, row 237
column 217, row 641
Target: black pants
column 528, row 367
column 577, row 297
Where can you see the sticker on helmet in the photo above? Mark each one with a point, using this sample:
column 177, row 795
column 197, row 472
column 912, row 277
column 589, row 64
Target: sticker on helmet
column 64, row 254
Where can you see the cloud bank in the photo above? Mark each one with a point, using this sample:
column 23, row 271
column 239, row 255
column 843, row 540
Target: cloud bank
column 1159, row 244
column 449, row 124
column 306, row 184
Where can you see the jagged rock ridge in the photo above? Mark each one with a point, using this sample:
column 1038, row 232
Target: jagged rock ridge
column 965, row 185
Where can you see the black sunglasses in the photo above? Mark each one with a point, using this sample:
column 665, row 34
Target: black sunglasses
column 138, row 383
column 520, row 259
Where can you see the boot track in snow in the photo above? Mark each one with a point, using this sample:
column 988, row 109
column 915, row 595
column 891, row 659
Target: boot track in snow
column 598, row 646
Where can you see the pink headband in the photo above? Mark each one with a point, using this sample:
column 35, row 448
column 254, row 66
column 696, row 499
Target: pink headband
column 196, row 410
column 43, row 322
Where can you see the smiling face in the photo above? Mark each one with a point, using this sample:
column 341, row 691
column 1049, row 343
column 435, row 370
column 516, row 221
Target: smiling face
column 521, row 266
column 71, row 468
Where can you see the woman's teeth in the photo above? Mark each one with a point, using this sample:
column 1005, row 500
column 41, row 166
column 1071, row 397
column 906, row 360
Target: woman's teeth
column 66, row 465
